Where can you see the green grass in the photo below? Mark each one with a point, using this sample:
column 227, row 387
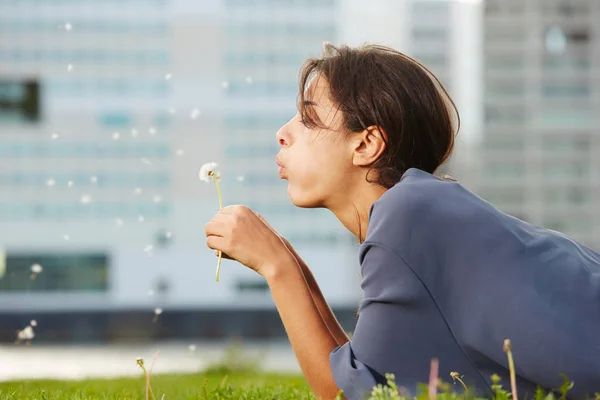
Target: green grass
column 242, row 386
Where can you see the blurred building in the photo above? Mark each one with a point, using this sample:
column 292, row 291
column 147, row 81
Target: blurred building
column 540, row 155
column 107, row 113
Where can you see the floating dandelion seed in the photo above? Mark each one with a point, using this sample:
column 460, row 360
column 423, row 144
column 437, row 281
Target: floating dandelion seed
column 146, row 161
column 157, row 312
column 86, row 199
column 249, row 80
column 195, row 113
column 168, row 235
column 116, row 136
column 50, row 182
column 66, row 237
column 138, row 191
column 207, row 172
column 179, row 152
column 68, row 27
column 150, row 292
column 119, row 222
column 70, row 184
column 25, row 335
column 192, row 348
column 172, row 110
column 94, row 179
column 148, row 248
column 240, row 178
column 168, row 76
column 70, row 67
column 33, row 323
column 152, row 130
column 225, row 84
column 134, row 133
column 54, row 136
column 36, row 269
column 140, row 218
column 157, row 199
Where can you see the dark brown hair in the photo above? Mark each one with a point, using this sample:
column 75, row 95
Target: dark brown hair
column 376, row 86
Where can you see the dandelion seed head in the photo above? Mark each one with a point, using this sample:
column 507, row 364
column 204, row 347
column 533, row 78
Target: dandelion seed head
column 36, row 269
column 54, row 136
column 70, row 184
column 207, row 171
column 70, row 67
column 152, row 130
column 94, row 179
column 179, row 152
column 33, row 322
column 50, row 182
column 158, row 311
column 116, row 136
column 27, row 333
column 139, row 361
column 86, row 199
column 168, row 76
column 68, row 27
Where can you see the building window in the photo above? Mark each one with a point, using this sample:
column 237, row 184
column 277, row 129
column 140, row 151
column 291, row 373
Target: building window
column 504, row 170
column 60, row 273
column 558, row 90
column 19, row 101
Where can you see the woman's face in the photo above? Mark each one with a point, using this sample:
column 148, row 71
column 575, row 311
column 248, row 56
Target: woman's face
column 317, row 163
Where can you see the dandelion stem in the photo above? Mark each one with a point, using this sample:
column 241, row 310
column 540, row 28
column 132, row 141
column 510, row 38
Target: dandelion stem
column 511, row 367
column 216, row 179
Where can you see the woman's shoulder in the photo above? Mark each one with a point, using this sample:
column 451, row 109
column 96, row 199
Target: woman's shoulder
column 419, row 196
column 425, row 210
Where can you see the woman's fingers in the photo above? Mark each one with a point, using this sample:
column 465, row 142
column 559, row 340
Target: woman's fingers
column 217, row 226
column 216, row 243
column 223, row 255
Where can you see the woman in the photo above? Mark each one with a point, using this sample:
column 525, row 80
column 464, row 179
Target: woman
column 445, row 274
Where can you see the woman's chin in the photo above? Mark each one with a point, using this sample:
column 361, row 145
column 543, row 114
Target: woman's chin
column 300, row 199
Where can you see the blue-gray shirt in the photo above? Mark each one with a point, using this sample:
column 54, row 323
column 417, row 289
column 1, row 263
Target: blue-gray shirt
column 446, row 275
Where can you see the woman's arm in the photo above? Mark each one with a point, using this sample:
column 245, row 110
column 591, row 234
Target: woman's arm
column 326, row 313
column 310, row 338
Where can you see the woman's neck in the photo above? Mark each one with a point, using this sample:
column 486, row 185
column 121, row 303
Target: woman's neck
column 353, row 209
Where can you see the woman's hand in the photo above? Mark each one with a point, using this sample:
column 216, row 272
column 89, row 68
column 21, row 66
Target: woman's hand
column 244, row 236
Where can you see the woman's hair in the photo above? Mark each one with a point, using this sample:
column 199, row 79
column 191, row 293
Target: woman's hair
column 376, row 86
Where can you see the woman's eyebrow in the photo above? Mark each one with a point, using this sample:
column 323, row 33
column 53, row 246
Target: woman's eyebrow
column 310, row 103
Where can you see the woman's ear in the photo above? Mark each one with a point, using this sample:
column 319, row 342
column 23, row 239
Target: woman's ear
column 368, row 145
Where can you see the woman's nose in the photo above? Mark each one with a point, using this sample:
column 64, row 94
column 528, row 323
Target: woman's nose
column 281, row 136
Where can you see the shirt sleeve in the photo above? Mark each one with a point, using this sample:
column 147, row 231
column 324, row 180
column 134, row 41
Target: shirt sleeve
column 388, row 287
column 352, row 376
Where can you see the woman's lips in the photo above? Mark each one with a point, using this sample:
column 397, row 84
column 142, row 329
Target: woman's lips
column 281, row 168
